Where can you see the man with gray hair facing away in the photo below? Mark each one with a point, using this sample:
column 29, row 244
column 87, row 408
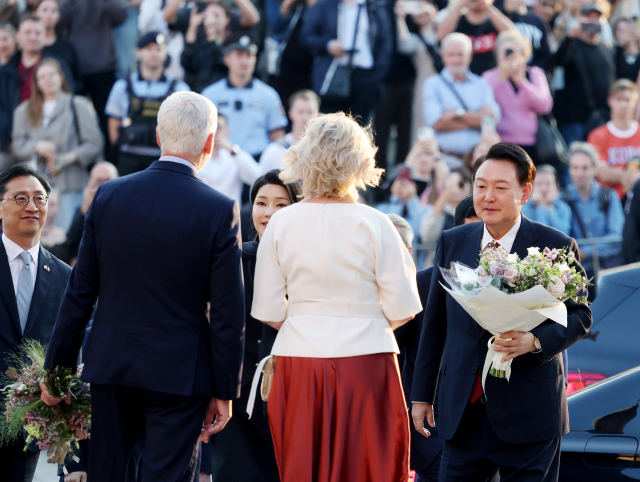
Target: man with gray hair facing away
column 456, row 101
column 157, row 246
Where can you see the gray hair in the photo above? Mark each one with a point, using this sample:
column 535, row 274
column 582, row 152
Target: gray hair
column 587, row 149
column 460, row 38
column 185, row 121
column 404, row 228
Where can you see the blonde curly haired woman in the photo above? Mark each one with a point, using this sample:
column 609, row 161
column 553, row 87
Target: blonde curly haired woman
column 335, row 278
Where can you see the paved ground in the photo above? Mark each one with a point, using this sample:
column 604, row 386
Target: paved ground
column 45, row 472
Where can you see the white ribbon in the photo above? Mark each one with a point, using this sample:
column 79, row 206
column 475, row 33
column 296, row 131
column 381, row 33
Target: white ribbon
column 494, row 359
column 254, row 385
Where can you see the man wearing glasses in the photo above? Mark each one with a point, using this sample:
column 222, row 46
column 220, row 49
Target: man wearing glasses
column 32, row 282
column 253, row 109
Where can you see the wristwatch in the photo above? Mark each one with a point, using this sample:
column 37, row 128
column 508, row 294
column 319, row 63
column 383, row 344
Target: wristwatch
column 235, row 149
column 537, row 344
column 460, row 112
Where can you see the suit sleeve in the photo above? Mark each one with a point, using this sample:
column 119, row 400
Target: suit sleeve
column 432, row 337
column 227, row 308
column 313, row 35
column 554, row 338
column 79, row 299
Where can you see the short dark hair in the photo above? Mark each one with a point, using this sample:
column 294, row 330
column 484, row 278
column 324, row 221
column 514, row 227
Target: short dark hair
column 29, row 17
column 20, row 170
column 464, row 210
column 506, row 151
column 273, row 177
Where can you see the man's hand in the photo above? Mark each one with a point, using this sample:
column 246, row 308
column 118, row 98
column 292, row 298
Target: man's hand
column 204, row 477
column 49, row 399
column 335, row 48
column 221, row 409
column 514, row 343
column 76, row 477
column 418, row 413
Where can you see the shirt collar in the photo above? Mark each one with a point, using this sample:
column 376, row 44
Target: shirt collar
column 449, row 76
column 507, row 240
column 163, row 78
column 13, row 250
column 180, row 160
column 231, row 86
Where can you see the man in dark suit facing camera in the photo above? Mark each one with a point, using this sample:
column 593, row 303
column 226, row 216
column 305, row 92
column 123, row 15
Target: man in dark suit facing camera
column 158, row 245
column 32, row 282
column 516, row 425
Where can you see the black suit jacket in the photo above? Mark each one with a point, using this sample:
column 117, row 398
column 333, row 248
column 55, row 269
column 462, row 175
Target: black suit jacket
column 532, row 406
column 157, row 246
column 47, row 294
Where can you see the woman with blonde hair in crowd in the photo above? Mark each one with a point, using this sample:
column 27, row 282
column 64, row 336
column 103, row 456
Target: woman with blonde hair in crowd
column 334, row 277
column 521, row 91
column 60, row 132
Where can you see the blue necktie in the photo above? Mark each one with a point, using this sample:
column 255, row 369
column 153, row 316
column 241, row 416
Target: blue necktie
column 25, row 289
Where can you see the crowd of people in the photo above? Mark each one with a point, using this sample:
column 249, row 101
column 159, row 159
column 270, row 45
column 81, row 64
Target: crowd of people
column 438, row 82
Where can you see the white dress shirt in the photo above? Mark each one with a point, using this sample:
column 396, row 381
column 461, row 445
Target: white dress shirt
column 228, row 173
column 505, row 241
column 182, row 161
column 16, row 263
column 363, row 56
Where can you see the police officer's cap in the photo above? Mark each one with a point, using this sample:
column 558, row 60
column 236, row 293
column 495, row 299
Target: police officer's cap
column 245, row 41
column 153, row 37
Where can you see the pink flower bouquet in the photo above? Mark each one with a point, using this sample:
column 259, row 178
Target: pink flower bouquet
column 56, row 429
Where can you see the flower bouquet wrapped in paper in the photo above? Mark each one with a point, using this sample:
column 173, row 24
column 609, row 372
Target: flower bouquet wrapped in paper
column 56, row 429
column 506, row 293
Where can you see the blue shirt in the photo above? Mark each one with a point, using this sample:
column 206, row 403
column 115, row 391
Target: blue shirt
column 559, row 216
column 415, row 211
column 437, row 98
column 118, row 101
column 252, row 112
column 597, row 223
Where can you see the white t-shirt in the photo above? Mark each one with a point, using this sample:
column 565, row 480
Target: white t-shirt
column 47, row 111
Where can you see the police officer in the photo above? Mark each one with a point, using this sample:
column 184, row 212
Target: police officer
column 133, row 106
column 253, row 109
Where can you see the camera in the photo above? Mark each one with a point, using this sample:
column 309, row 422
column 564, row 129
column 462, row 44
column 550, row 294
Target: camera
column 591, row 28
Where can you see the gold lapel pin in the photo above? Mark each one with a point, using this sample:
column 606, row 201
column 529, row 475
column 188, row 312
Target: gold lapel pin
column 47, row 268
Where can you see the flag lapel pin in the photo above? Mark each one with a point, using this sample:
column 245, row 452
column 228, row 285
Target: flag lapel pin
column 46, row 268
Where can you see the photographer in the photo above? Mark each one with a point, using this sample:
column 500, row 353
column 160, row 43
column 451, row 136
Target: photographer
column 588, row 73
column 627, row 56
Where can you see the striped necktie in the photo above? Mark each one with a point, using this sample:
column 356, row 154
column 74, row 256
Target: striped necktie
column 25, row 289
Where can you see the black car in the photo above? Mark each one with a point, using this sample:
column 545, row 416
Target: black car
column 605, row 429
column 612, row 345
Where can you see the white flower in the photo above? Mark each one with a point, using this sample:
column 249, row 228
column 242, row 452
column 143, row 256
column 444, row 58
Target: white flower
column 564, row 268
column 533, row 252
column 512, row 258
column 556, row 288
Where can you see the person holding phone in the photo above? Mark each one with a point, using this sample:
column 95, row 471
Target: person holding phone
column 521, row 91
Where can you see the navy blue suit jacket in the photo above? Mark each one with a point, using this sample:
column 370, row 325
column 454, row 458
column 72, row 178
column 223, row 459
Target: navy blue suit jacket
column 47, row 294
column 321, row 26
column 423, row 450
column 532, row 406
column 157, row 246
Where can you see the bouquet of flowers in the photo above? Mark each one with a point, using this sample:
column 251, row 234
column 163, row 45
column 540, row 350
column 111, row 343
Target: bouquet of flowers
column 506, row 293
column 56, row 429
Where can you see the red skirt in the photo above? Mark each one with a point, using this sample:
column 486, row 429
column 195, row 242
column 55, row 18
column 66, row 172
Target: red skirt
column 339, row 419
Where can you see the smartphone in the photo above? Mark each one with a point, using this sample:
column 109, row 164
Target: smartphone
column 412, row 7
column 425, row 133
column 508, row 52
column 404, row 173
column 591, row 28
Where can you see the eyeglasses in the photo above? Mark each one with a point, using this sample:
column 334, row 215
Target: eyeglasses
column 23, row 199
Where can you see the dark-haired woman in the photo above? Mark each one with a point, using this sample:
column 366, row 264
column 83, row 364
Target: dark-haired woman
column 243, row 451
column 60, row 132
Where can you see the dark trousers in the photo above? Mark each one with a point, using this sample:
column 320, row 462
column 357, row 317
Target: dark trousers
column 98, row 87
column 165, row 427
column 361, row 101
column 394, row 109
column 17, row 465
column 475, row 453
